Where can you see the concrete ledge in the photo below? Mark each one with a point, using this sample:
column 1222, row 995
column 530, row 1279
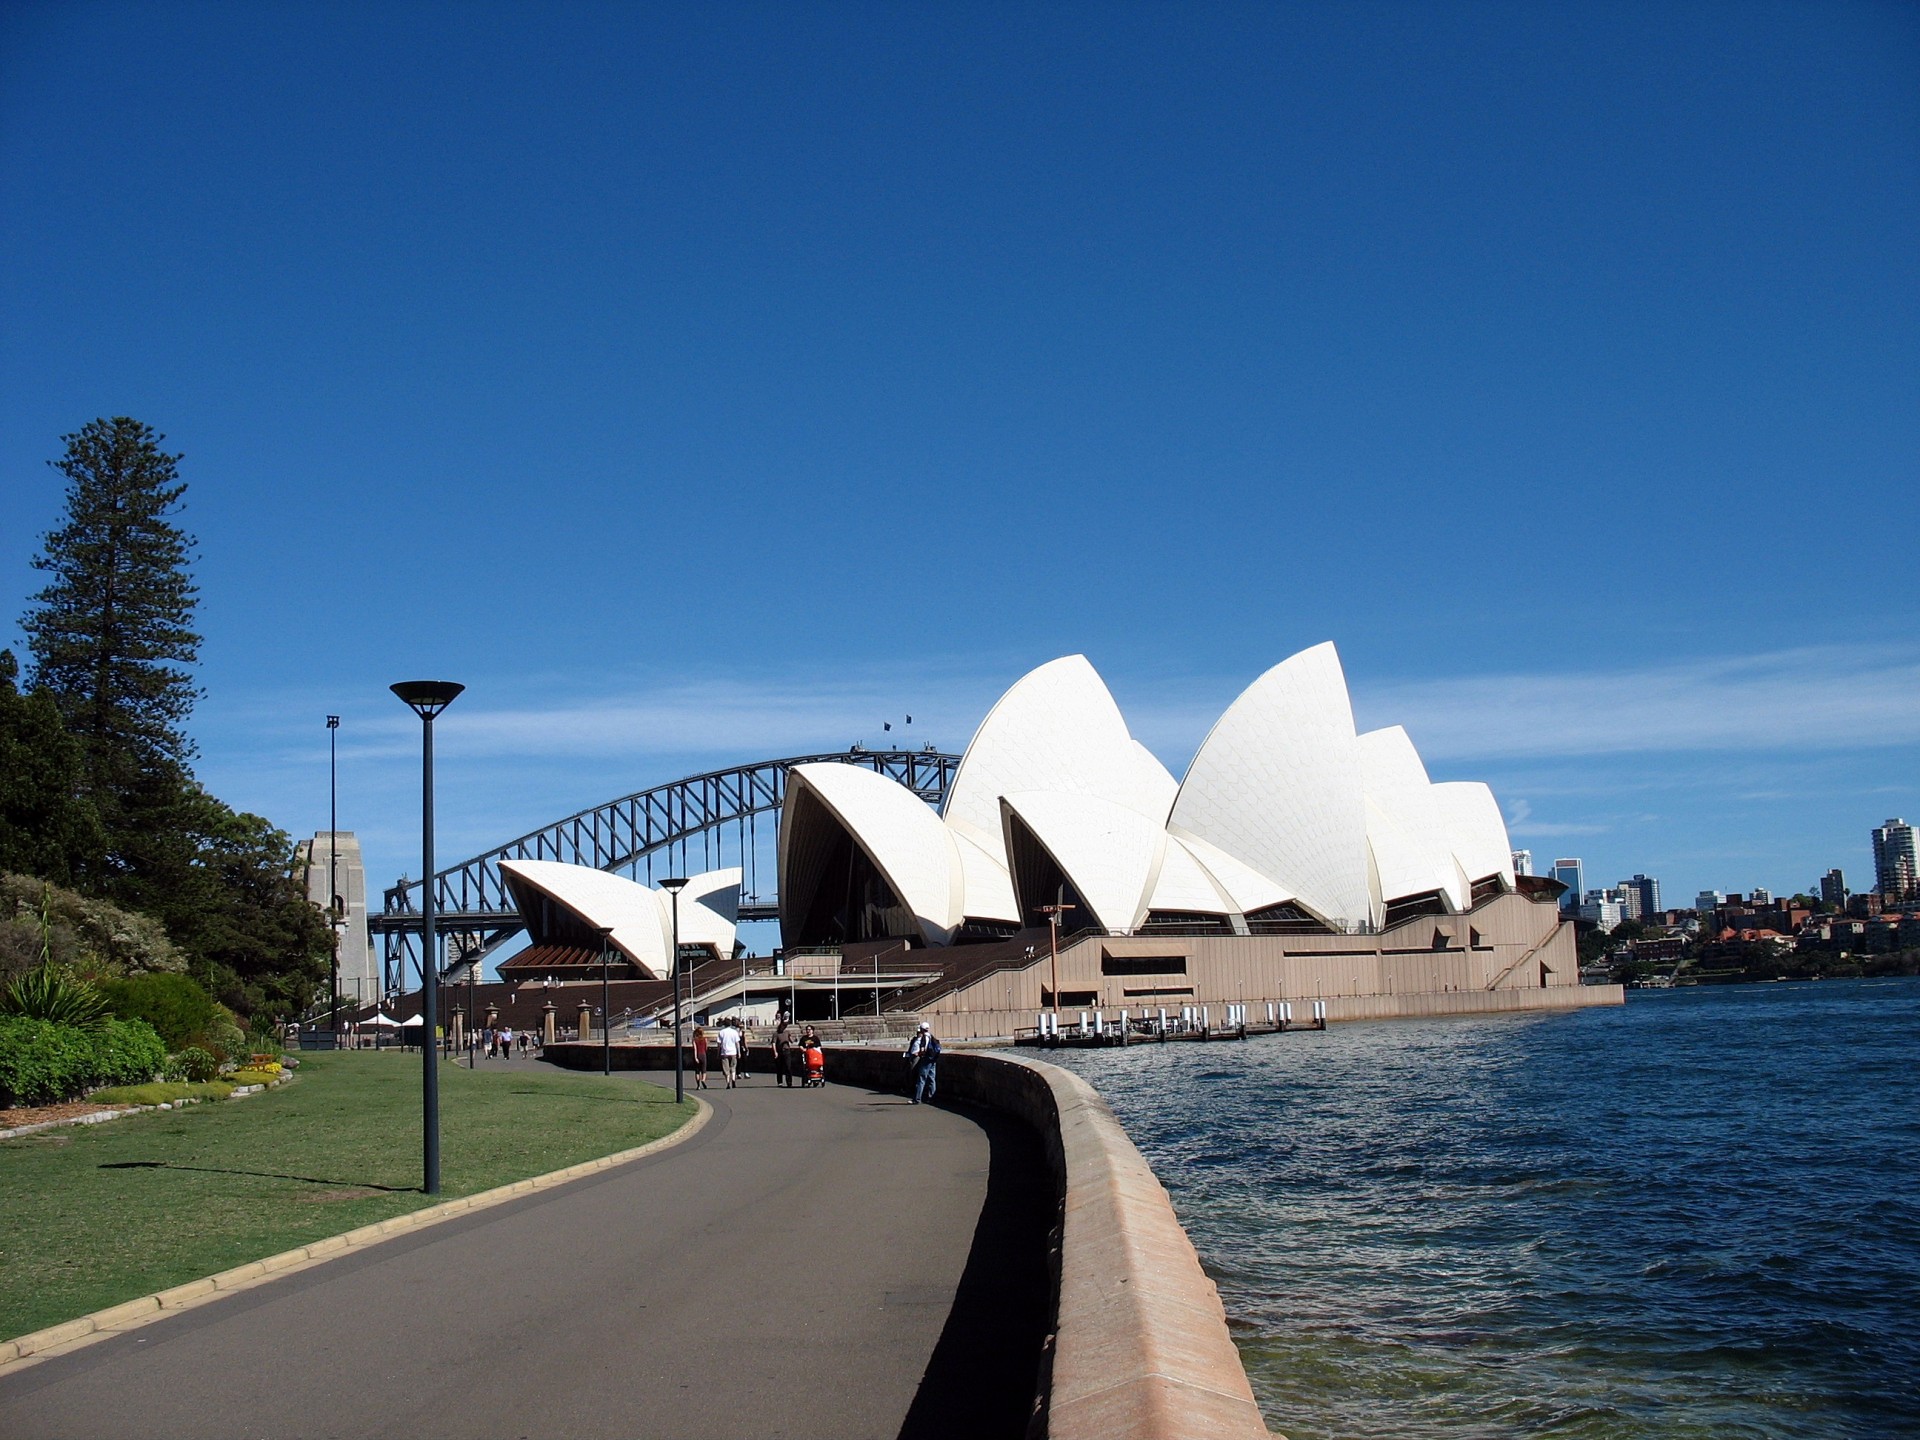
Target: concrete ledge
column 1141, row 1349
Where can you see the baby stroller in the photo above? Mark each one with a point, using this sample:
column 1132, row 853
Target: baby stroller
column 816, row 1066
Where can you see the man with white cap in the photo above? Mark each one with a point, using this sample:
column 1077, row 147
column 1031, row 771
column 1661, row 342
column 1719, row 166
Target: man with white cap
column 923, row 1055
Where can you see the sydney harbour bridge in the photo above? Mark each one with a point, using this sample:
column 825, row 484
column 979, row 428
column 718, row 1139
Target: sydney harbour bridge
column 704, row 822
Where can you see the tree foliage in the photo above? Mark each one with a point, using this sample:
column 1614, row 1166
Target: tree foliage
column 48, row 824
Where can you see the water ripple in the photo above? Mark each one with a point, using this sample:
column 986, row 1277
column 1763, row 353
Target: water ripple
column 1691, row 1216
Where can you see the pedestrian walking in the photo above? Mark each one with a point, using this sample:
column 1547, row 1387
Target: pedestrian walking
column 782, row 1045
column 923, row 1059
column 746, row 1044
column 729, row 1039
column 699, row 1058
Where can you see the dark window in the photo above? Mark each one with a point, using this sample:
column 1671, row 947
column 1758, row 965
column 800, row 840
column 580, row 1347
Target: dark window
column 1187, row 922
column 1143, row 964
column 1071, row 999
column 1286, row 918
column 1152, row 992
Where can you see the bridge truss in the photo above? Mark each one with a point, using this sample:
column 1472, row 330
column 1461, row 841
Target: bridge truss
column 699, row 823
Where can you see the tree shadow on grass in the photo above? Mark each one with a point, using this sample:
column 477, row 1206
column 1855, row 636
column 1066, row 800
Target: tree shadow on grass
column 257, row 1174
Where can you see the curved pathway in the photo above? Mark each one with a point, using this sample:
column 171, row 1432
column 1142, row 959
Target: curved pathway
column 821, row 1263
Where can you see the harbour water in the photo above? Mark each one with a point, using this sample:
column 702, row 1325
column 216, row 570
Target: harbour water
column 1694, row 1215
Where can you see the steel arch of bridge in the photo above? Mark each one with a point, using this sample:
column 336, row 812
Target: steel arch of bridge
column 472, row 898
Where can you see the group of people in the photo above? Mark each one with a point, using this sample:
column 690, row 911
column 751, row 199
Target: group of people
column 799, row 1059
column 731, row 1040
column 502, row 1039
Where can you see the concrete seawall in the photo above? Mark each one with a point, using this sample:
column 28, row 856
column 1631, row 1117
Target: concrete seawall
column 1140, row 1348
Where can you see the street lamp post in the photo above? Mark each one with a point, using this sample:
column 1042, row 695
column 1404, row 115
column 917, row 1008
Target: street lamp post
column 606, row 1002
column 1053, row 913
column 473, row 1036
column 427, row 698
column 333, row 867
column 673, row 887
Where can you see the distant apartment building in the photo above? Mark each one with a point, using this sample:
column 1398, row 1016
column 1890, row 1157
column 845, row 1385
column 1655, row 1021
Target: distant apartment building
column 1707, row 901
column 1833, row 889
column 1523, row 862
column 1643, row 897
column 1570, row 873
column 1759, row 896
column 1896, row 869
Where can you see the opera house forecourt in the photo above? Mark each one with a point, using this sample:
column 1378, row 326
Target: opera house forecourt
column 1297, row 861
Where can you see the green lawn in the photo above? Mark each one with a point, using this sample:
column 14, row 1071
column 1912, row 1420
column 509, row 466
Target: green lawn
column 98, row 1214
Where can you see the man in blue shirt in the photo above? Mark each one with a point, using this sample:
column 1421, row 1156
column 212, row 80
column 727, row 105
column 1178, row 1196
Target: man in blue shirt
column 923, row 1056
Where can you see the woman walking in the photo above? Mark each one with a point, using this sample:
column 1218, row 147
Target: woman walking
column 699, row 1058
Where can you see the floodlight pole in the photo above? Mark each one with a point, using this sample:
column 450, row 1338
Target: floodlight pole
column 673, row 887
column 333, row 869
column 427, row 698
column 606, row 1005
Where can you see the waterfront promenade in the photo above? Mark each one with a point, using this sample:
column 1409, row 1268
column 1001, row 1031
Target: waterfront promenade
column 823, row 1263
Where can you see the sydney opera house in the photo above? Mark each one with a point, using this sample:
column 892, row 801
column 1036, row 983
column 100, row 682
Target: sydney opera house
column 1296, row 860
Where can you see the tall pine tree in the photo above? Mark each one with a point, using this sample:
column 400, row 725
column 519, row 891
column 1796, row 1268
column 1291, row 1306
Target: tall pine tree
column 112, row 633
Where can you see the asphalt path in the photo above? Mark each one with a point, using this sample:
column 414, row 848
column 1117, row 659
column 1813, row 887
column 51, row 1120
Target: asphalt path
column 830, row 1263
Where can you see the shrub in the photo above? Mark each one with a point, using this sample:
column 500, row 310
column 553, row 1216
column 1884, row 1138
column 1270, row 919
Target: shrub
column 192, row 1065
column 223, row 1036
column 42, row 1061
column 126, row 1052
column 253, row 1077
column 93, row 933
column 52, row 992
column 175, row 1005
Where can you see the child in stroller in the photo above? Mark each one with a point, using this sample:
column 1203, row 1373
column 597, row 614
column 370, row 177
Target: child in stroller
column 816, row 1059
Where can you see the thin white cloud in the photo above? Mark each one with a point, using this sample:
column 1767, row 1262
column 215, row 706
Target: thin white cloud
column 1831, row 698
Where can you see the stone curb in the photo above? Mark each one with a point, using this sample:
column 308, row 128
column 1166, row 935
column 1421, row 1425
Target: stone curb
column 73, row 1335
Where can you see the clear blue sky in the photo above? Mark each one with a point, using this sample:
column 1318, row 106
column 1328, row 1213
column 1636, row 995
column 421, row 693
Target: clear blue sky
column 708, row 383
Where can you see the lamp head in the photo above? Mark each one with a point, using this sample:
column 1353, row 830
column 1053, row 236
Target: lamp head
column 427, row 698
column 674, row 885
column 333, row 722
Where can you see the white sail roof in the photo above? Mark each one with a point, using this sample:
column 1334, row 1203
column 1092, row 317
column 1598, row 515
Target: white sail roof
column 987, row 887
column 709, row 909
column 1406, row 829
column 1056, row 729
column 900, row 834
column 1478, row 834
column 1247, row 888
column 1183, row 884
column 1283, row 804
column 1276, row 785
column 639, row 917
column 1108, row 852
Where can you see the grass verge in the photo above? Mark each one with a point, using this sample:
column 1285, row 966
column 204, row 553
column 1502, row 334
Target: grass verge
column 99, row 1214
